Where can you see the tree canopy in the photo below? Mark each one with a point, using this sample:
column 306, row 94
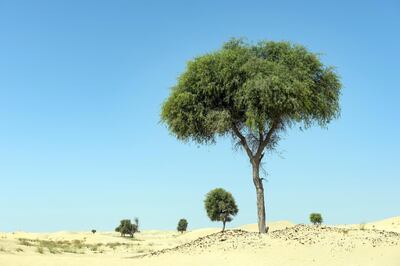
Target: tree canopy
column 220, row 206
column 126, row 227
column 254, row 88
column 182, row 225
column 316, row 218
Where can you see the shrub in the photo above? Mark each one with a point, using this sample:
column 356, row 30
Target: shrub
column 126, row 227
column 182, row 225
column 94, row 231
column 25, row 242
column 220, row 206
column 362, row 226
column 316, row 218
column 40, row 250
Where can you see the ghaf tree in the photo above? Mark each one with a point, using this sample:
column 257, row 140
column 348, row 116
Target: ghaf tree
column 126, row 227
column 220, row 206
column 316, row 218
column 252, row 93
column 182, row 225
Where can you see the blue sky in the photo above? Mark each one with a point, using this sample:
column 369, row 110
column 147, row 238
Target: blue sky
column 82, row 82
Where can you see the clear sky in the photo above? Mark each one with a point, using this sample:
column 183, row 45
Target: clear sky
column 82, row 82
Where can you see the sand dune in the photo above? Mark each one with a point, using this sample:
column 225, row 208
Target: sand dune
column 376, row 243
column 389, row 224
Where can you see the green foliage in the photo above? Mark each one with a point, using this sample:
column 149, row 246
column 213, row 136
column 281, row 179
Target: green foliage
column 127, row 228
column 316, row 218
column 94, row 231
column 253, row 93
column 182, row 225
column 253, row 87
column 220, row 206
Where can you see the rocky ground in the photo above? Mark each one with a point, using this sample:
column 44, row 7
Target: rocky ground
column 335, row 238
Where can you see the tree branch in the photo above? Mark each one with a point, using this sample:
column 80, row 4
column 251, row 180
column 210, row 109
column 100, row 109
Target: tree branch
column 264, row 142
column 243, row 141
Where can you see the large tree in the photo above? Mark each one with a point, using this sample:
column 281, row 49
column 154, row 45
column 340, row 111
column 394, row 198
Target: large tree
column 126, row 227
column 252, row 93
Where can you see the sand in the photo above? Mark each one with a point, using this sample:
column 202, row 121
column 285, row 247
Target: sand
column 375, row 243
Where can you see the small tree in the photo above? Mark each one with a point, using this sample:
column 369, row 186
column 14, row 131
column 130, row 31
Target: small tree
column 220, row 206
column 316, row 218
column 127, row 228
column 93, row 231
column 182, row 225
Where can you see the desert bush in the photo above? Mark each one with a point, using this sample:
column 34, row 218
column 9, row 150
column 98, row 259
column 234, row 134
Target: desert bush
column 95, row 247
column 40, row 250
column 25, row 242
column 60, row 246
column 220, row 206
column 53, row 250
column 77, row 243
column 126, row 227
column 362, row 226
column 316, row 218
column 115, row 245
column 345, row 231
column 55, row 247
column 94, row 231
column 182, row 225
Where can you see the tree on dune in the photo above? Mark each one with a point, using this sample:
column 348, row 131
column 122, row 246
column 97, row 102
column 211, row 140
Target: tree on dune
column 220, row 206
column 252, row 93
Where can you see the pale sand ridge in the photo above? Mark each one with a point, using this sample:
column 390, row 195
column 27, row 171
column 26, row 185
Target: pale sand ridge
column 377, row 243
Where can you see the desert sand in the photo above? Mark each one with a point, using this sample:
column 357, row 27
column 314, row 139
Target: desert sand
column 375, row 243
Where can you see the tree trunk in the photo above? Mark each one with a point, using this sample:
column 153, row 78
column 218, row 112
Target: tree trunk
column 223, row 225
column 262, row 228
